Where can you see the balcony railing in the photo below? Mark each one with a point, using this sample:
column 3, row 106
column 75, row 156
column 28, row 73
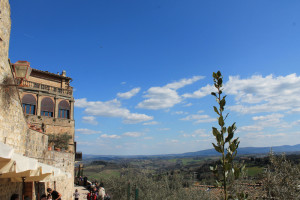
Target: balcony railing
column 48, row 88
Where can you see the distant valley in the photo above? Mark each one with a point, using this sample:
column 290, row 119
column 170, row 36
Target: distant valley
column 208, row 152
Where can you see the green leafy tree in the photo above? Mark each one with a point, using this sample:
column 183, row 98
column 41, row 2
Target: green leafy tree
column 226, row 145
column 59, row 140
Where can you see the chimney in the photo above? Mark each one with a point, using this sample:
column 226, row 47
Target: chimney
column 64, row 73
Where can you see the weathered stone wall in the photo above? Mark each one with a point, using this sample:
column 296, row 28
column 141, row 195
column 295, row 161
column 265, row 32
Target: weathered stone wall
column 8, row 188
column 36, row 144
column 13, row 127
column 37, row 147
column 54, row 126
column 64, row 161
column 12, row 122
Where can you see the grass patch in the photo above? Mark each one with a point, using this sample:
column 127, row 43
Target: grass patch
column 254, row 171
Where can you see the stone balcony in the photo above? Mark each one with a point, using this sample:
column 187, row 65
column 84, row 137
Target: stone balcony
column 46, row 88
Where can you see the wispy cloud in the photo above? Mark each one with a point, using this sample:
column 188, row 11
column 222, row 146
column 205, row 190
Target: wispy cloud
column 202, row 92
column 166, row 96
column 151, row 123
column 180, row 112
column 164, row 129
column 129, row 94
column 199, row 118
column 132, row 134
column 89, row 120
column 110, row 136
column 111, row 109
column 197, row 133
column 86, row 131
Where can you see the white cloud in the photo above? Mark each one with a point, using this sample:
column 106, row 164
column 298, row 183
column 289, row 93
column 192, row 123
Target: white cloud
column 197, row 133
column 110, row 136
column 188, row 105
column 148, row 138
column 89, row 120
column 259, row 94
column 129, row 94
column 265, row 94
column 269, row 119
column 86, row 131
column 150, row 123
column 166, row 96
column 249, row 128
column 202, row 92
column 164, row 129
column 261, row 135
column 133, row 134
column 199, row 118
column 111, row 109
column 180, row 113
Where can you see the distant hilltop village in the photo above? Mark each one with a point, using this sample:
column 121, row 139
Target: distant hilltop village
column 37, row 148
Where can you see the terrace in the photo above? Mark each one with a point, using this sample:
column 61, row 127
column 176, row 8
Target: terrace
column 47, row 88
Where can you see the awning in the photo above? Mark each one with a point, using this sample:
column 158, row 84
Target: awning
column 6, row 153
column 16, row 167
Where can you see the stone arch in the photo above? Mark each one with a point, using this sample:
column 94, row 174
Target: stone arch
column 29, row 104
column 64, row 109
column 47, row 107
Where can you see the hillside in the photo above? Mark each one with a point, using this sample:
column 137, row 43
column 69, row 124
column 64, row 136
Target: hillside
column 207, row 152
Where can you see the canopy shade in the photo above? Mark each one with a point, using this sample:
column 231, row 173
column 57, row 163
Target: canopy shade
column 16, row 167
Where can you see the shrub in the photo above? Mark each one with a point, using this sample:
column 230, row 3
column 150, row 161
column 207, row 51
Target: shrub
column 167, row 187
column 282, row 179
column 59, row 140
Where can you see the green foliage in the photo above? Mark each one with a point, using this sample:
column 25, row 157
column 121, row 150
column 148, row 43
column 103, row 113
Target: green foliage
column 167, row 187
column 227, row 171
column 59, row 140
column 282, row 179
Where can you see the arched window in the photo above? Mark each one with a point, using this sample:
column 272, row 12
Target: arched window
column 47, row 107
column 29, row 104
column 64, row 109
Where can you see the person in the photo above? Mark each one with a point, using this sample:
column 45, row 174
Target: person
column 91, row 195
column 43, row 197
column 49, row 197
column 85, row 181
column 101, row 193
column 76, row 194
column 55, row 195
column 107, row 197
column 14, row 197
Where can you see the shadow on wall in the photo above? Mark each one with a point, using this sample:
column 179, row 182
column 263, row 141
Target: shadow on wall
column 8, row 90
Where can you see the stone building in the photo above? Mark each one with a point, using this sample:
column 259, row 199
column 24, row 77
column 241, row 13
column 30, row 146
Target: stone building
column 48, row 103
column 27, row 167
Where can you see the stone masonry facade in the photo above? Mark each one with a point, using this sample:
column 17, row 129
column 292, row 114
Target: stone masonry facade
column 14, row 128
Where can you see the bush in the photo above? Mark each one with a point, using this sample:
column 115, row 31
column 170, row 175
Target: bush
column 282, row 179
column 59, row 140
column 167, row 187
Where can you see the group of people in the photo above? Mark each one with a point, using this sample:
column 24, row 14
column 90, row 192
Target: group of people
column 97, row 192
column 52, row 195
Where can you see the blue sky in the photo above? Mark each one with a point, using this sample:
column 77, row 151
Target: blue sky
column 142, row 70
